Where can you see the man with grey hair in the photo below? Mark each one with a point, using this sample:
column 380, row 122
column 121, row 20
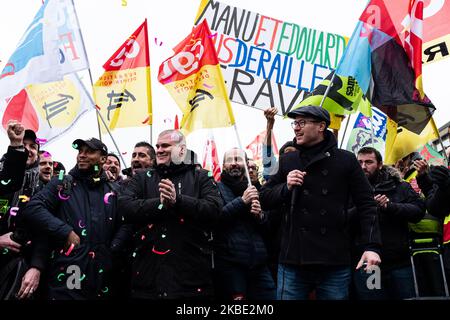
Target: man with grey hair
column 173, row 206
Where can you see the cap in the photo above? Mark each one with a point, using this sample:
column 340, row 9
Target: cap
column 30, row 135
column 92, row 143
column 311, row 111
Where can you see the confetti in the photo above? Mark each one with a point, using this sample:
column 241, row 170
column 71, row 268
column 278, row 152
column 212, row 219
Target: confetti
column 64, row 198
column 163, row 236
column 134, row 254
column 208, row 86
column 96, row 179
column 13, row 211
column 124, row 3
column 160, row 206
column 261, row 45
column 47, row 154
column 106, row 197
column 70, row 249
column 149, row 174
column 61, row 175
column 96, row 168
column 60, row 276
column 146, row 120
column 5, row 251
column 100, row 271
column 3, row 182
column 210, row 174
column 92, row 254
column 213, row 35
column 24, row 198
column 40, row 141
column 83, row 277
column 142, row 238
column 75, row 146
column 84, row 233
column 156, row 42
column 160, row 252
column 105, row 290
column 81, row 225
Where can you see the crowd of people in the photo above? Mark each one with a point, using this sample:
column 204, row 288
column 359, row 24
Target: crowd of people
column 319, row 222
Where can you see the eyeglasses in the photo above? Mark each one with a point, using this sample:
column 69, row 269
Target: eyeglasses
column 301, row 123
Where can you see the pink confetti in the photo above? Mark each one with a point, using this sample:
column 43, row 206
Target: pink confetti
column 142, row 238
column 208, row 86
column 160, row 252
column 13, row 211
column 62, row 197
column 47, row 154
column 82, row 226
column 106, row 197
column 40, row 141
column 92, row 254
column 70, row 249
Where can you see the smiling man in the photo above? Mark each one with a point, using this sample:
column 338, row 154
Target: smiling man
column 79, row 215
column 316, row 183
column 45, row 167
column 112, row 167
column 173, row 207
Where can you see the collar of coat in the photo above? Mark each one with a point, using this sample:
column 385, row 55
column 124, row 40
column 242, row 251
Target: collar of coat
column 388, row 179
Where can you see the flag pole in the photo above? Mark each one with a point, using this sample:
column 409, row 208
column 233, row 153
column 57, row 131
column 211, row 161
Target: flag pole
column 245, row 162
column 87, row 59
column 328, row 89
column 345, row 131
column 436, row 131
column 92, row 86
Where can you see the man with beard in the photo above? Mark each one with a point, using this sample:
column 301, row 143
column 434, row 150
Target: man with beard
column 24, row 256
column 173, row 206
column 397, row 204
column 79, row 215
column 143, row 157
column 112, row 167
column 253, row 173
column 241, row 257
column 45, row 168
column 316, row 183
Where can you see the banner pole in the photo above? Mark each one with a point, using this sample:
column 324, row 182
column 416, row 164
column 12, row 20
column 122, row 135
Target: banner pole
column 345, row 131
column 87, row 59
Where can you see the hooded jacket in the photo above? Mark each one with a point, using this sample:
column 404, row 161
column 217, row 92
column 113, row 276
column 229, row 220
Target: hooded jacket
column 79, row 206
column 172, row 251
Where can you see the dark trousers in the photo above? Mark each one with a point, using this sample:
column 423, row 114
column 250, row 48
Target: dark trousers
column 235, row 282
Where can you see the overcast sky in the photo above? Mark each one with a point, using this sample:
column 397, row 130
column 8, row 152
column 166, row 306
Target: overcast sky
column 106, row 24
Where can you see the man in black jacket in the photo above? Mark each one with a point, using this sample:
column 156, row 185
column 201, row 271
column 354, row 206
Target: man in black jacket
column 79, row 215
column 174, row 206
column 25, row 255
column 316, row 183
column 241, row 256
column 398, row 204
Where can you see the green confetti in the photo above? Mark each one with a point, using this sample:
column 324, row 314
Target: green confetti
column 83, row 277
column 84, row 232
column 100, row 271
column 210, row 174
column 5, row 251
column 96, row 168
column 60, row 276
column 160, row 206
column 75, row 146
column 61, row 175
column 149, row 174
column 134, row 254
column 105, row 290
column 5, row 182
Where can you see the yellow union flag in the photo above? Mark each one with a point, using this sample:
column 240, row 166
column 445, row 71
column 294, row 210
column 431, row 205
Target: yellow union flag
column 122, row 93
column 193, row 78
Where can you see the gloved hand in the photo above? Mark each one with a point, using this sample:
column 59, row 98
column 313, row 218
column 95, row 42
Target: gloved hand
column 440, row 175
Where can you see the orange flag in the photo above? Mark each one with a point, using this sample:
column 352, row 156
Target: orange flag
column 193, row 78
column 123, row 92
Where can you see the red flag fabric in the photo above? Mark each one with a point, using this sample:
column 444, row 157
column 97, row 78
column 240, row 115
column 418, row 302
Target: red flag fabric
column 211, row 159
column 256, row 146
